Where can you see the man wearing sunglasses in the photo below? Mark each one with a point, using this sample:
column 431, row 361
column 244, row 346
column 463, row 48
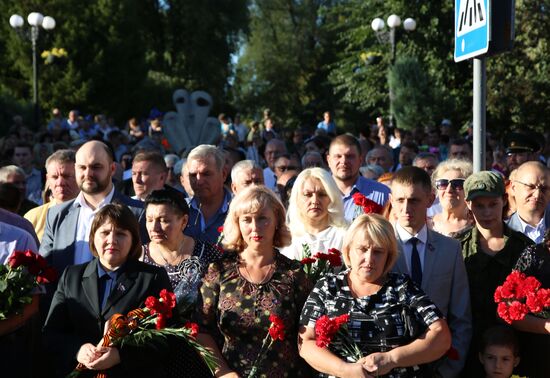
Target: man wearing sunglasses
column 531, row 189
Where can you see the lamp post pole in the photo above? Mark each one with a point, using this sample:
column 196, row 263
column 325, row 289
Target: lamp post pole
column 35, row 20
column 393, row 21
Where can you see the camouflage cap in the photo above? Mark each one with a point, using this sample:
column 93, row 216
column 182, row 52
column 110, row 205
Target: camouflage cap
column 484, row 183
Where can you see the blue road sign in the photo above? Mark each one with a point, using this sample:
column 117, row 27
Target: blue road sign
column 472, row 28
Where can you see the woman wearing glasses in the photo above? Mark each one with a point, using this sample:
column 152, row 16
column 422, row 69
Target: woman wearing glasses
column 448, row 180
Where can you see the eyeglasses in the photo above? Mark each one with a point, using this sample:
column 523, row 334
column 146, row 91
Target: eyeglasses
column 456, row 184
column 284, row 168
column 531, row 187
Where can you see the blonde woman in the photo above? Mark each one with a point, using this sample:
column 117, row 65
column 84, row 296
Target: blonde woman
column 315, row 214
column 448, row 181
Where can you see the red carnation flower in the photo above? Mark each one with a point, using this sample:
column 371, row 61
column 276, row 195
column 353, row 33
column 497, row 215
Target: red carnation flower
column 152, row 303
column 502, row 310
column 220, row 229
column 161, row 322
column 48, row 275
column 325, row 329
column 518, row 310
column 307, row 260
column 277, row 328
column 371, row 207
column 193, row 327
column 168, row 298
column 358, row 199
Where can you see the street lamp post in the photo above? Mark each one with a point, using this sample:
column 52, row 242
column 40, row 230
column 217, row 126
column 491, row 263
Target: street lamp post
column 35, row 20
column 383, row 36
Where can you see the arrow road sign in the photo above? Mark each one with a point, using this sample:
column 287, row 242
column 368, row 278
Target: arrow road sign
column 472, row 28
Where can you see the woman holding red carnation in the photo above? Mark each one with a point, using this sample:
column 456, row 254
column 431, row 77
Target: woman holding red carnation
column 89, row 294
column 392, row 323
column 248, row 286
column 315, row 214
column 534, row 261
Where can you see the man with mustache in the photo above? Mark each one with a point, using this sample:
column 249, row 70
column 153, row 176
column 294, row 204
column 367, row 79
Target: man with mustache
column 65, row 240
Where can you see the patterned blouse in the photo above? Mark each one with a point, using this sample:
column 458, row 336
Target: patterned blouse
column 236, row 313
column 396, row 315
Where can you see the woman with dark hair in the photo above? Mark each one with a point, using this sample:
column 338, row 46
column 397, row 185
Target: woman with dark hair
column 89, row 294
column 184, row 258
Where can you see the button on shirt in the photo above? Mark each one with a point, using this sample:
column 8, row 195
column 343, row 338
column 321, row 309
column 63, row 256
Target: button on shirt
column 406, row 245
column 536, row 234
column 82, row 253
column 371, row 189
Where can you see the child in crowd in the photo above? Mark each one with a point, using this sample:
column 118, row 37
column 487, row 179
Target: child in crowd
column 499, row 352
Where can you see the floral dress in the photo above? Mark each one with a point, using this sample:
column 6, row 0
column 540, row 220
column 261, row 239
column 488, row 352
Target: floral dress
column 236, row 313
column 394, row 316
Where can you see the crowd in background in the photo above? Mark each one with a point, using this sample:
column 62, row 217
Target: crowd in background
column 446, row 238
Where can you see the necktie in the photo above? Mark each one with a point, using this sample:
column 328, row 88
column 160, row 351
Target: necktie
column 416, row 268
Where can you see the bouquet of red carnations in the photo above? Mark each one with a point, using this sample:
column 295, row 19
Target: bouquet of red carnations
column 363, row 205
column 317, row 265
column 520, row 295
column 147, row 326
column 25, row 271
column 275, row 332
column 326, row 329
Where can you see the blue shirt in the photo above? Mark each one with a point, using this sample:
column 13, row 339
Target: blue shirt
column 328, row 127
column 198, row 228
column 107, row 282
column 371, row 189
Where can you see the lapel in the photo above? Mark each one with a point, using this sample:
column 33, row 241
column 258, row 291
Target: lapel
column 67, row 237
column 90, row 285
column 429, row 258
column 401, row 262
column 123, row 286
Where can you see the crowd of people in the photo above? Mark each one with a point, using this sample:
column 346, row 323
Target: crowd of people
column 424, row 241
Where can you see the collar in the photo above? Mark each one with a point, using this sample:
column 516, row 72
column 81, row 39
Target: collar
column 526, row 226
column 194, row 203
column 405, row 236
column 113, row 274
column 81, row 202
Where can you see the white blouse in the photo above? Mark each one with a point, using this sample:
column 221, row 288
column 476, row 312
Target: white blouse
column 332, row 237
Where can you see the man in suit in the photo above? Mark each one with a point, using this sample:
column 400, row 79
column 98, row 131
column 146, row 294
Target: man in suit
column 531, row 189
column 432, row 260
column 65, row 240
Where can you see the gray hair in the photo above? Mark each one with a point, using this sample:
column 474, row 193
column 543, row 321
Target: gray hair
column 242, row 166
column 374, row 168
column 204, row 151
column 463, row 166
column 61, row 157
column 308, row 154
column 10, row 170
column 171, row 159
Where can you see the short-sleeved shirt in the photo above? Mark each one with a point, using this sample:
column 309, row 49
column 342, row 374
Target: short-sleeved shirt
column 198, row 228
column 371, row 189
column 236, row 313
column 396, row 315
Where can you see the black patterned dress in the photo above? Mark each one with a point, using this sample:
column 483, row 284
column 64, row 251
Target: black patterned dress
column 236, row 313
column 394, row 316
column 186, row 278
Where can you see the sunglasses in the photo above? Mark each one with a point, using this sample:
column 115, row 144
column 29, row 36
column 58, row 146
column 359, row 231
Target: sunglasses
column 456, row 184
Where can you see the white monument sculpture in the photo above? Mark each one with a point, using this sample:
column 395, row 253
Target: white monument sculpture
column 190, row 126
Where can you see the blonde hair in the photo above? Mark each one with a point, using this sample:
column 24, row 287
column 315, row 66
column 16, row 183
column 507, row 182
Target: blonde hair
column 295, row 217
column 463, row 166
column 378, row 231
column 252, row 200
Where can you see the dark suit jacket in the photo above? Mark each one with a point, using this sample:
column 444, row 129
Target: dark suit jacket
column 75, row 317
column 59, row 240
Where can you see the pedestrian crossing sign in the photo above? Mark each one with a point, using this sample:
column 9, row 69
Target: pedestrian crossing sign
column 472, row 28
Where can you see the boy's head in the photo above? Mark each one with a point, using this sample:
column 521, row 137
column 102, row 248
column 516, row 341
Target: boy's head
column 486, row 198
column 499, row 352
column 411, row 196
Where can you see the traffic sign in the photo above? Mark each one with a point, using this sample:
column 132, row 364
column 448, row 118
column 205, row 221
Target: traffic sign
column 472, row 28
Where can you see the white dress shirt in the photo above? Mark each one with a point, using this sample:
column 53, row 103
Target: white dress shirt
column 405, row 237
column 536, row 234
column 82, row 253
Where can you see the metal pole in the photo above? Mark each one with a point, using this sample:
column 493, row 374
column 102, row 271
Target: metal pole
column 392, row 62
column 480, row 95
column 34, row 38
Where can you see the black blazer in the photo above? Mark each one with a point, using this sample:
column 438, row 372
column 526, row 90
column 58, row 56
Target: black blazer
column 75, row 317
